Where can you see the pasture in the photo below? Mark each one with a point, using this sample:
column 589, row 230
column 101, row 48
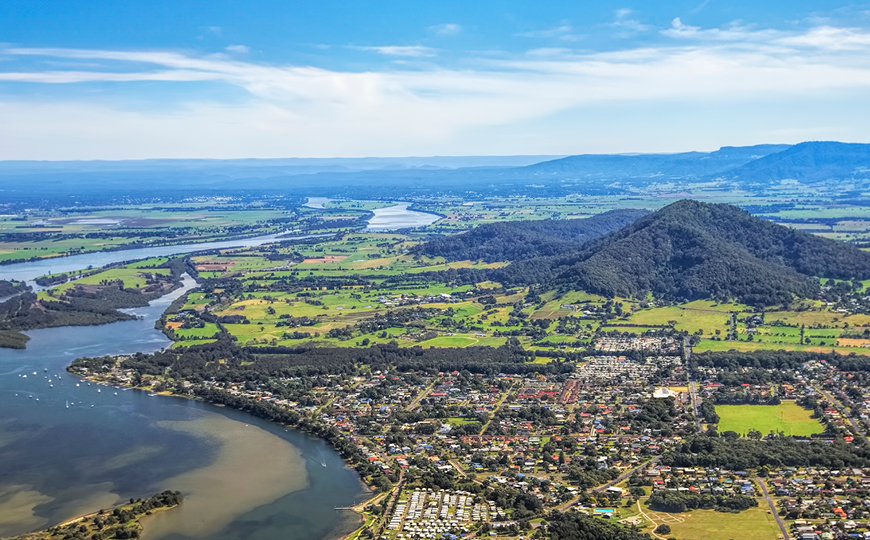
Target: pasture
column 787, row 417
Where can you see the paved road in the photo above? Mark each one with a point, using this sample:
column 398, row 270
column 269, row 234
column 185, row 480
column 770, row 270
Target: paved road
column 693, row 385
column 773, row 509
column 612, row 483
column 840, row 407
column 498, row 407
column 414, row 404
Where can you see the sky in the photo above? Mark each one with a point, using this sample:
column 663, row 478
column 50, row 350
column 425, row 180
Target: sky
column 225, row 79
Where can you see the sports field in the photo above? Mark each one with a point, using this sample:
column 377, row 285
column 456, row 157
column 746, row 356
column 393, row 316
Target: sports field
column 752, row 524
column 787, row 417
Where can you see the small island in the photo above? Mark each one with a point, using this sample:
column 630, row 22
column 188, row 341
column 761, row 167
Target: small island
column 121, row 521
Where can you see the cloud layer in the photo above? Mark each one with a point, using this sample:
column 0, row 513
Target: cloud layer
column 549, row 100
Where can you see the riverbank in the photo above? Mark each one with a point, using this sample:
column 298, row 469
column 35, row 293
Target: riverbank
column 120, row 521
column 155, row 528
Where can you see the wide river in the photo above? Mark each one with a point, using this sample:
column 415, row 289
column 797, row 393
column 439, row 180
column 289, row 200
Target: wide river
column 68, row 447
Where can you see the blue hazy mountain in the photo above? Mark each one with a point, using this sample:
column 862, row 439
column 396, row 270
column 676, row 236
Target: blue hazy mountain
column 682, row 165
column 841, row 166
column 807, row 162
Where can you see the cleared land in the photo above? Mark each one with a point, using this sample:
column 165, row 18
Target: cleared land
column 752, row 524
column 787, row 417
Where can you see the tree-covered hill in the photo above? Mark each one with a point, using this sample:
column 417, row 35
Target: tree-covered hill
column 517, row 240
column 691, row 250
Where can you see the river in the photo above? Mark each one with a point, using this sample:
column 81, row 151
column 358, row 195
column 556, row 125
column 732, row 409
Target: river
column 399, row 217
column 68, row 447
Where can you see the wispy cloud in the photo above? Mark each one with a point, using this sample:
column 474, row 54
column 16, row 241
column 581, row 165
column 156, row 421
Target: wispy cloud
column 298, row 110
column 735, row 31
column 240, row 49
column 447, row 29
column 401, row 50
column 699, row 7
column 563, row 31
column 830, row 39
column 626, row 25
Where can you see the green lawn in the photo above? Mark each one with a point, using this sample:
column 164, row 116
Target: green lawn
column 752, row 524
column 787, row 417
column 209, row 330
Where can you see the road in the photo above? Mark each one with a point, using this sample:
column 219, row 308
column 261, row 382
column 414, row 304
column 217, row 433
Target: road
column 414, row 404
column 693, row 384
column 498, row 407
column 783, row 529
column 840, row 407
column 622, row 477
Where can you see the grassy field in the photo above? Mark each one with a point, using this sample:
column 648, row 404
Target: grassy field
column 752, row 524
column 209, row 330
column 712, row 345
column 703, row 315
column 787, row 417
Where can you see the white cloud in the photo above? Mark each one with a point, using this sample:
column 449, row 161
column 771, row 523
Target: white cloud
column 447, row 29
column 298, row 110
column 564, row 32
column 734, row 32
column 549, row 51
column 627, row 27
column 830, row 39
column 401, row 50
column 241, row 49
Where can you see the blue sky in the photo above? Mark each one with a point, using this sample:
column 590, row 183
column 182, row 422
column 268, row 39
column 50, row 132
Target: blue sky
column 132, row 80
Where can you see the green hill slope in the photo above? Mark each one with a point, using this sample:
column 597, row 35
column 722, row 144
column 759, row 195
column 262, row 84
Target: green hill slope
column 691, row 250
column 517, row 240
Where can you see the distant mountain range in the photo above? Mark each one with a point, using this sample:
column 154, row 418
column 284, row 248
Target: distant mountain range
column 689, row 164
column 685, row 251
column 845, row 167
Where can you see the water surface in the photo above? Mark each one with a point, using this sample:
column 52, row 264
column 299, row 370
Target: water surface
column 69, row 448
column 399, row 217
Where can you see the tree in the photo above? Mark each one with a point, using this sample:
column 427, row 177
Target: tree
column 663, row 529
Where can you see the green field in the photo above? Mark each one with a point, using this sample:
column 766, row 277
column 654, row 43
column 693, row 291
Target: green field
column 787, row 417
column 752, row 524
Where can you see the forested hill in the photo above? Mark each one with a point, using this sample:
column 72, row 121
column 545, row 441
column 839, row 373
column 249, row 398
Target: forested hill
column 518, row 240
column 691, row 250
